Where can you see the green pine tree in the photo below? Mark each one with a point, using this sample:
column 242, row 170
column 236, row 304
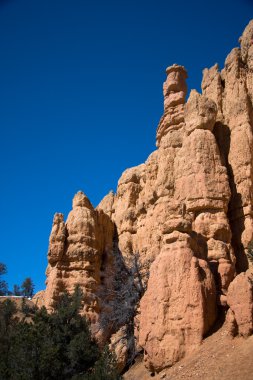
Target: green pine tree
column 3, row 284
column 27, row 287
column 53, row 346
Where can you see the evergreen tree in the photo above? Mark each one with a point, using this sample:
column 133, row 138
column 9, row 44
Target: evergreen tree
column 54, row 346
column 3, row 284
column 16, row 290
column 27, row 287
column 3, row 269
column 105, row 367
column 7, row 326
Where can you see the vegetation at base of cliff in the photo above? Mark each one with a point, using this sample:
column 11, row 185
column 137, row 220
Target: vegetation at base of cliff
column 250, row 251
column 52, row 346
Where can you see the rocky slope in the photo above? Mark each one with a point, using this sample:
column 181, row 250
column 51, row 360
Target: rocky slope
column 219, row 357
column 161, row 259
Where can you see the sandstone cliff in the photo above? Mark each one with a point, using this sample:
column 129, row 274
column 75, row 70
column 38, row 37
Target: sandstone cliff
column 157, row 260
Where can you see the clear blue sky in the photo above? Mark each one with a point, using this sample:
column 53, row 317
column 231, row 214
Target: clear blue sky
column 81, row 97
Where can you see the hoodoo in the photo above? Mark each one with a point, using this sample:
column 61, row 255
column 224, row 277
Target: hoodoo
column 160, row 259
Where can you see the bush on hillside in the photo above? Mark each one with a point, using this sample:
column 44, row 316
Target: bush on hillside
column 53, row 346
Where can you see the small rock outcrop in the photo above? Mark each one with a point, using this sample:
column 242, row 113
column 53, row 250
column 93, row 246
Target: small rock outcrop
column 240, row 301
column 159, row 259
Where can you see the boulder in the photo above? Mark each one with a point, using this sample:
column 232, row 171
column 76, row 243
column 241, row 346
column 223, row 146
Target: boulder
column 240, row 301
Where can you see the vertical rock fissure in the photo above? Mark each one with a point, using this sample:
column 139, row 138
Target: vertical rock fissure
column 222, row 135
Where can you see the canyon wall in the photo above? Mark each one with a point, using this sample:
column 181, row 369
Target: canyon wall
column 157, row 260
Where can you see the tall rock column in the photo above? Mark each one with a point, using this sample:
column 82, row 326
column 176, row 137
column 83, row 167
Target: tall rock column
column 232, row 90
column 195, row 242
column 201, row 183
column 76, row 253
column 174, row 91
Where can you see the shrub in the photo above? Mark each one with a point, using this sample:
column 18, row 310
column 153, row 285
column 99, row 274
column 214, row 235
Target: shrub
column 53, row 346
column 250, row 251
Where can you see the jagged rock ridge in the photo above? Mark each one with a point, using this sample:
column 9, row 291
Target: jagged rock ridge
column 158, row 259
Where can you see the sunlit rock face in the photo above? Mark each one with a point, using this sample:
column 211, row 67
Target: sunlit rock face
column 240, row 300
column 179, row 306
column 157, row 259
column 174, row 92
column 77, row 249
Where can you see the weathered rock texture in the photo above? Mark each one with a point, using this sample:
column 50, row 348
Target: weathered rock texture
column 77, row 249
column 240, row 301
column 175, row 317
column 176, row 230
column 232, row 90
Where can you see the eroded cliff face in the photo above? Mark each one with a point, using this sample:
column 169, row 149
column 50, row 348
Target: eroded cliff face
column 232, row 90
column 157, row 259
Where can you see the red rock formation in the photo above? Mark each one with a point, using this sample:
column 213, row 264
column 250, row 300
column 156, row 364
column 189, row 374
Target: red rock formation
column 174, row 91
column 232, row 90
column 240, row 301
column 179, row 306
column 174, row 226
column 75, row 255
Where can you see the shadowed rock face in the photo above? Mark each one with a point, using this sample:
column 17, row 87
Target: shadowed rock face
column 174, row 228
column 232, row 90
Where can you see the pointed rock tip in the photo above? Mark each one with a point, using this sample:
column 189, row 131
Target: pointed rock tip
column 176, row 67
column 194, row 92
column 247, row 33
column 199, row 112
column 58, row 217
column 246, row 40
column 81, row 200
column 214, row 68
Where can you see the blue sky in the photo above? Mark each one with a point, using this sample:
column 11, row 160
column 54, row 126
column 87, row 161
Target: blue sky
column 81, row 97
